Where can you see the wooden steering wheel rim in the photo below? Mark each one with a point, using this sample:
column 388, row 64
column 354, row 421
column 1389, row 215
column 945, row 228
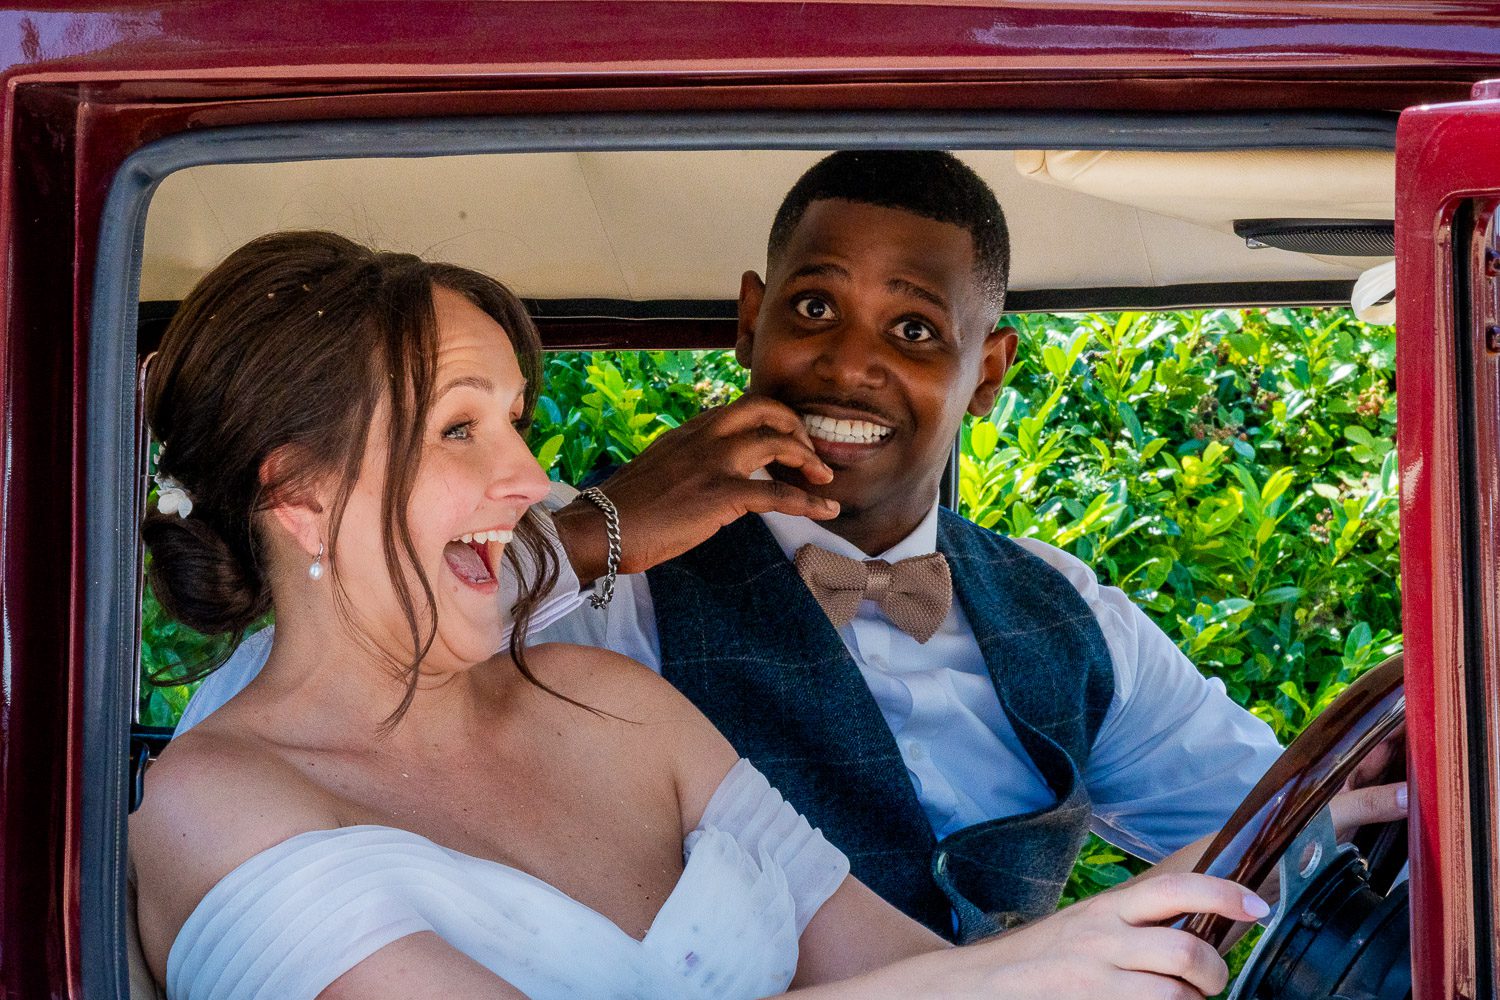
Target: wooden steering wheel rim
column 1300, row 784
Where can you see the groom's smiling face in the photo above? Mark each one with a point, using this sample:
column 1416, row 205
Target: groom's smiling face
column 873, row 325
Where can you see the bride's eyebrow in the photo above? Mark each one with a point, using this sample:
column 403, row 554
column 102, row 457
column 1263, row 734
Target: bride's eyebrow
column 470, row 381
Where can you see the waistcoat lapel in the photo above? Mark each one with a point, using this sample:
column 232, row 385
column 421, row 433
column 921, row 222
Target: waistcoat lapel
column 1052, row 671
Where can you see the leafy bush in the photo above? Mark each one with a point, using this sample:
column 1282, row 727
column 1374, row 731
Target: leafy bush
column 603, row 409
column 1233, row 471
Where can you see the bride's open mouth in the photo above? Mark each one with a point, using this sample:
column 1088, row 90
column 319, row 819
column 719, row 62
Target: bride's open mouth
column 474, row 556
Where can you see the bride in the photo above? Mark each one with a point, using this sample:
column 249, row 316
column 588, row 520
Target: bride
column 392, row 810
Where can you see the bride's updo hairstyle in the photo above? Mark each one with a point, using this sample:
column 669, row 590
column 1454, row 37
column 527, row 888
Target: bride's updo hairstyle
column 287, row 349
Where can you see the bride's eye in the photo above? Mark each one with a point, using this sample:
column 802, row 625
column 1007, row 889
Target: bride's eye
column 460, row 431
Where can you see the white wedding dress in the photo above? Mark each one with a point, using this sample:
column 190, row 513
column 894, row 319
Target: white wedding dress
column 292, row 919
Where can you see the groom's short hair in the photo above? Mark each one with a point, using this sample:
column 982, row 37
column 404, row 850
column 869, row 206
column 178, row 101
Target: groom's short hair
column 930, row 183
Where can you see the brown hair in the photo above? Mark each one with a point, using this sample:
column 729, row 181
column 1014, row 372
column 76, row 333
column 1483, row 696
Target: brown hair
column 287, row 348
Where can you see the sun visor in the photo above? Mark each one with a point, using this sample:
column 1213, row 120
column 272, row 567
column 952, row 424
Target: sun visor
column 1215, row 189
column 1374, row 298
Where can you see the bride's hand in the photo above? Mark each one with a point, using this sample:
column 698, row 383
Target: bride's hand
column 1114, row 944
column 1111, row 945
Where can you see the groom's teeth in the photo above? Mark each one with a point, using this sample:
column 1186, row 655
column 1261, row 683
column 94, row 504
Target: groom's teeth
column 466, row 538
column 844, row 431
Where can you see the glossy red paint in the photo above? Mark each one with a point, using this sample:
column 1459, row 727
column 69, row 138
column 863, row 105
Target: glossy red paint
column 1448, row 170
column 85, row 84
column 1023, row 54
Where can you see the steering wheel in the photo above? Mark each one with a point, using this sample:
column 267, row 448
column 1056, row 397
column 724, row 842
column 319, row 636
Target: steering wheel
column 1342, row 926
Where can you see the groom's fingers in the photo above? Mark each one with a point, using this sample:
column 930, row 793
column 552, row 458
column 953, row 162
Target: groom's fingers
column 766, row 496
column 752, row 413
column 758, row 449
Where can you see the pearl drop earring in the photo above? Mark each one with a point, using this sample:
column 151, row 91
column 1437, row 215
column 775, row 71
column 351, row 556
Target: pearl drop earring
column 315, row 571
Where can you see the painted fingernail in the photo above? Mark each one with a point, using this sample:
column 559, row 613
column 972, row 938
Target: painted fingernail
column 1401, row 796
column 1255, row 906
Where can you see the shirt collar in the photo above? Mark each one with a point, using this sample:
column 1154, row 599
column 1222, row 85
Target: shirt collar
column 791, row 533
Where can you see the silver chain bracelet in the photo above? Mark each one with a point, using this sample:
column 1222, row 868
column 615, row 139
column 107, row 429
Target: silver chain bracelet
column 595, row 496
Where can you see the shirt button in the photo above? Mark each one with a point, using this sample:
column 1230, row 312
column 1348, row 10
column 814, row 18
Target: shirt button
column 916, row 750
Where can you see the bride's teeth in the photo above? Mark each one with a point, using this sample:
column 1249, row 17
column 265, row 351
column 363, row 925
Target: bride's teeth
column 502, row 535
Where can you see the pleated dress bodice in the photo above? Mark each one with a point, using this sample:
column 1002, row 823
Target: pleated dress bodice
column 292, row 919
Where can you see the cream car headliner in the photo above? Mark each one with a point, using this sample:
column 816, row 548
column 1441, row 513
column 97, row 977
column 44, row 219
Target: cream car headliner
column 684, row 225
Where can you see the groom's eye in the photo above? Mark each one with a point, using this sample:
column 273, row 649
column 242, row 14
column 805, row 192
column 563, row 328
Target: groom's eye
column 813, row 307
column 914, row 331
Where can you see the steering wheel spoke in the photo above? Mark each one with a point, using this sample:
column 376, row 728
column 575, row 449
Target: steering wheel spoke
column 1304, row 866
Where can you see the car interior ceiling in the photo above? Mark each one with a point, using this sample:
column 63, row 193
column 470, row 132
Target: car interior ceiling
column 587, row 235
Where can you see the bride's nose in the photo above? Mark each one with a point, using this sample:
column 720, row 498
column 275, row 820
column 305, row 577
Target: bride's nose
column 517, row 477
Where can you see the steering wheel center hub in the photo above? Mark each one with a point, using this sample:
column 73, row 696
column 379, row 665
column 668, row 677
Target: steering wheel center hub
column 1333, row 935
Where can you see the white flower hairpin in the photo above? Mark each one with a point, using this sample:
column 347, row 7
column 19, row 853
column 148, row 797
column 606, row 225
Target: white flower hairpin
column 171, row 496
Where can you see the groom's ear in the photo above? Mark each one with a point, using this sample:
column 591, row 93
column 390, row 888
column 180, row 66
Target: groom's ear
column 300, row 510
column 752, row 294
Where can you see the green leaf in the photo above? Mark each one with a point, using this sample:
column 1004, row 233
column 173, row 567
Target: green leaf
column 1132, row 424
column 983, row 437
column 1359, row 637
column 547, row 454
column 1342, row 372
column 1276, row 485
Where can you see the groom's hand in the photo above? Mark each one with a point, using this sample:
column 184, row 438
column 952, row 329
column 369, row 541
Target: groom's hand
column 693, row 480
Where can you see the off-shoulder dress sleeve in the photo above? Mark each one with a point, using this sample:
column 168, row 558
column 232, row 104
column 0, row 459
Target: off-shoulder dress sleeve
column 291, row 920
column 765, row 825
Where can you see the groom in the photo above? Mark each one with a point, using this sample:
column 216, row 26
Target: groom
column 956, row 733
column 957, row 717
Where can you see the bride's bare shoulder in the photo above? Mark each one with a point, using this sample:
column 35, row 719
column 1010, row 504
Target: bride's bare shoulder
column 603, row 679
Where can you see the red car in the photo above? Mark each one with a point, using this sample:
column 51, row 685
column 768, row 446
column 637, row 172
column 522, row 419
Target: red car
column 618, row 163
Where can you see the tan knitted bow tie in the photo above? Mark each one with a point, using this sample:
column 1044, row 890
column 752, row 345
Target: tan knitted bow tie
column 914, row 594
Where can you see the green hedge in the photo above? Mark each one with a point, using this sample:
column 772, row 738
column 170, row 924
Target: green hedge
column 1233, row 471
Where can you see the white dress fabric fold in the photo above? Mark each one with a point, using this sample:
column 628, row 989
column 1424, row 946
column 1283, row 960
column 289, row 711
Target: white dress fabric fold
column 292, row 919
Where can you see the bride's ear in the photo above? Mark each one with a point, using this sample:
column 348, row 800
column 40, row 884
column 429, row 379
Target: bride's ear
column 299, row 508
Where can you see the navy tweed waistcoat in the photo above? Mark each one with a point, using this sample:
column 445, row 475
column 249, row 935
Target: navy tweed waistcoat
column 743, row 638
